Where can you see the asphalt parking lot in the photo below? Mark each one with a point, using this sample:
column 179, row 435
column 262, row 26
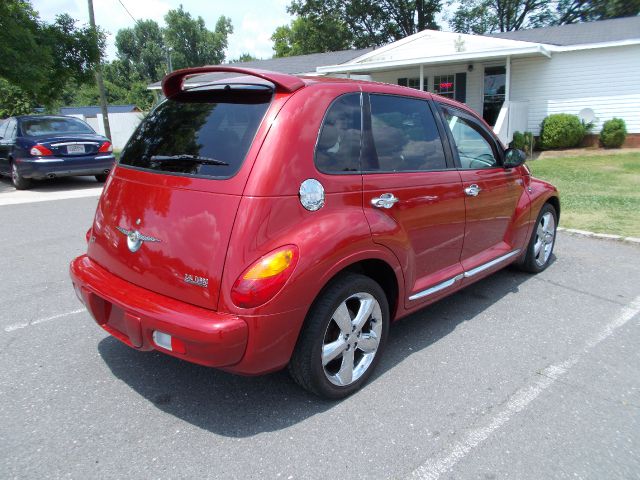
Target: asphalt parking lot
column 517, row 376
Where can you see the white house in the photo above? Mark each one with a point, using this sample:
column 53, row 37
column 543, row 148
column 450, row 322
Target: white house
column 513, row 79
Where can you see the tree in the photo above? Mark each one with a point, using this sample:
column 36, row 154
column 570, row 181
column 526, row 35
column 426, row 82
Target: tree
column 487, row 16
column 332, row 25
column 191, row 43
column 40, row 58
column 574, row 11
column 305, row 35
column 245, row 57
column 142, row 49
column 13, row 100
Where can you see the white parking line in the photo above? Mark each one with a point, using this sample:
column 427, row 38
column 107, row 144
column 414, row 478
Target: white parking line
column 17, row 197
column 18, row 326
column 434, row 467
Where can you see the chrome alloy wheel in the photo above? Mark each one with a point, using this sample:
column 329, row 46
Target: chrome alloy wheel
column 545, row 235
column 351, row 339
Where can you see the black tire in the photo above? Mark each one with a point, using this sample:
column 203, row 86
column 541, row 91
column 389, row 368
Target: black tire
column 18, row 180
column 532, row 261
column 320, row 329
column 102, row 177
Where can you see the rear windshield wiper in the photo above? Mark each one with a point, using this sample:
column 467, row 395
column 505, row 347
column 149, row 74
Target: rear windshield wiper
column 193, row 158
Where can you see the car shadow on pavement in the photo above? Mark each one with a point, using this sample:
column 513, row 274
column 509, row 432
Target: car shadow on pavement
column 237, row 406
column 62, row 184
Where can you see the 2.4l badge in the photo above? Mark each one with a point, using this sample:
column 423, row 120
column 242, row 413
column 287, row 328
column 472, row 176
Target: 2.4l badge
column 196, row 280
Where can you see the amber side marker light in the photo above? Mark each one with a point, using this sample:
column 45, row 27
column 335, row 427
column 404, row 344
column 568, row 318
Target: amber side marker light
column 265, row 278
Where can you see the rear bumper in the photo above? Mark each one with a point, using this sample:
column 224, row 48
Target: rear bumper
column 39, row 168
column 131, row 314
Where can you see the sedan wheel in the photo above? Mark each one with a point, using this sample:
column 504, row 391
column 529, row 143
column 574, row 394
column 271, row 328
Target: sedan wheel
column 18, row 180
column 343, row 337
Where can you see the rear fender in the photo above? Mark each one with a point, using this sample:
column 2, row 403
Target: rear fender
column 329, row 241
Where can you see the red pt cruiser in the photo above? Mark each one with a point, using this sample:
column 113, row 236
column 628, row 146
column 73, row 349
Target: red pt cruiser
column 268, row 220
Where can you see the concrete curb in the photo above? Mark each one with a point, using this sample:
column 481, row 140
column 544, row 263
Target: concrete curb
column 602, row 236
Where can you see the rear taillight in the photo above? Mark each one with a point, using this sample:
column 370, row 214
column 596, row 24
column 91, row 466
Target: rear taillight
column 40, row 151
column 264, row 279
column 106, row 147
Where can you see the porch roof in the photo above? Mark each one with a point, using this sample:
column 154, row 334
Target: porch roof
column 461, row 57
column 431, row 47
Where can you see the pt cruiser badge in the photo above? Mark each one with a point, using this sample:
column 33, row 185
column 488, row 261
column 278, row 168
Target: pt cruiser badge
column 135, row 238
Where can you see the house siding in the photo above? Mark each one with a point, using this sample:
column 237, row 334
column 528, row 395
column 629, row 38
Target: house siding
column 603, row 79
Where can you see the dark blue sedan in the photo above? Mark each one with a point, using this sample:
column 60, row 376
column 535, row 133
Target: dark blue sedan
column 48, row 146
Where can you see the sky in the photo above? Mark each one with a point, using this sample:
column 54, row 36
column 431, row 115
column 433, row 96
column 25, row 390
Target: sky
column 254, row 21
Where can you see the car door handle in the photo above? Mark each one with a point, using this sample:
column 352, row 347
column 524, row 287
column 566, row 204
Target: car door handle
column 386, row 200
column 472, row 190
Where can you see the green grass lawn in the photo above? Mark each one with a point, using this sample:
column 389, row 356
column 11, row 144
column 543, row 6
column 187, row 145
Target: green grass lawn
column 597, row 193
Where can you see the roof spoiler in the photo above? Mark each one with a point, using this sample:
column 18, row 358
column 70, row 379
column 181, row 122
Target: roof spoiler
column 172, row 84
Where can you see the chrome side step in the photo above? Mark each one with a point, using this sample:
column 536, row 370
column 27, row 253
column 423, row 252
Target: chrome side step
column 486, row 266
column 467, row 274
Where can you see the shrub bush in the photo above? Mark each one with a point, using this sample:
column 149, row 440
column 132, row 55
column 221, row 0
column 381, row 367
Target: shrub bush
column 561, row 130
column 523, row 141
column 613, row 133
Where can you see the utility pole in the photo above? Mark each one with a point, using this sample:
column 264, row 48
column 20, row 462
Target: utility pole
column 103, row 96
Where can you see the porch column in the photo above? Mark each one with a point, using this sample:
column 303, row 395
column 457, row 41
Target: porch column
column 507, row 87
column 421, row 77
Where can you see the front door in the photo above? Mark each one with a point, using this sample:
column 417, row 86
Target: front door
column 492, row 193
column 493, row 93
column 413, row 197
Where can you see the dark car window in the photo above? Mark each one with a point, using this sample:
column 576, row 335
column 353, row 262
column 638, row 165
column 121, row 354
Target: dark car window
column 405, row 135
column 199, row 137
column 338, row 147
column 33, row 127
column 474, row 149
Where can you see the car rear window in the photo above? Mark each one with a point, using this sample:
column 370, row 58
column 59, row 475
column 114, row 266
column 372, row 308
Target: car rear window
column 206, row 133
column 33, row 127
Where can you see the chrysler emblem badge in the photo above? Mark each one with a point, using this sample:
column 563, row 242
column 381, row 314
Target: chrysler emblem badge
column 135, row 238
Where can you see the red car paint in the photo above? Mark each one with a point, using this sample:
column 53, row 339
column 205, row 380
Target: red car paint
column 216, row 229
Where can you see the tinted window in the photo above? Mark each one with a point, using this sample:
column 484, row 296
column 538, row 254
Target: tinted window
column 3, row 127
column 474, row 150
column 338, row 148
column 219, row 133
column 405, row 135
column 51, row 126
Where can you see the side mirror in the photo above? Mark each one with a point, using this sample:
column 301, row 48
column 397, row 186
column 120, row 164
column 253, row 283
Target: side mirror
column 514, row 158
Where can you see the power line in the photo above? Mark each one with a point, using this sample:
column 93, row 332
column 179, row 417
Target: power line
column 127, row 10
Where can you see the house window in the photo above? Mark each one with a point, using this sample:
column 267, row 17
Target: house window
column 445, row 85
column 413, row 82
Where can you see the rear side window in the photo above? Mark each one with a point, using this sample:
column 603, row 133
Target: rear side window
column 338, row 147
column 405, row 135
column 199, row 137
column 12, row 126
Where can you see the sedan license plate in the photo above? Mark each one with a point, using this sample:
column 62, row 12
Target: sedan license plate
column 75, row 148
